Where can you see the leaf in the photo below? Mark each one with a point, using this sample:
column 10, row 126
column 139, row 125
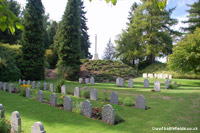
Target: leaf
column 19, row 26
column 3, row 26
column 114, row 2
column 107, row 1
column 12, row 29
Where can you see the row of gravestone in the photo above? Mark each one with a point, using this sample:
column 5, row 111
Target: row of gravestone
column 16, row 123
column 120, row 82
column 157, row 84
column 87, row 80
column 158, row 76
column 4, row 86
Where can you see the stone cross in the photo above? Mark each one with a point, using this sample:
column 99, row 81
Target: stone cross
column 15, row 122
column 144, row 75
column 1, row 85
column 5, row 86
column 45, row 86
column 130, row 83
column 33, row 84
column 86, row 108
column 76, row 92
column 40, row 95
column 157, row 86
column 92, row 80
column 93, row 94
column 20, row 81
column 38, row 85
column 114, row 98
column 166, row 84
column 108, row 114
column 80, row 80
column 28, row 92
column 51, row 89
column 53, row 100
column 67, row 103
column 24, row 82
column 11, row 88
column 146, row 83
column 87, row 80
column 140, row 102
column 63, row 89
column 37, row 128
column 1, row 111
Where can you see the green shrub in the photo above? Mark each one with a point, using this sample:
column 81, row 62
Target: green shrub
column 59, row 85
column 4, row 126
column 76, row 106
column 128, row 101
column 85, row 93
column 84, row 60
column 118, row 118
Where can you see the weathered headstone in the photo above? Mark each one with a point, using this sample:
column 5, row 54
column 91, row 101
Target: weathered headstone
column 114, row 98
column 15, row 122
column 76, row 92
column 29, row 82
column 63, row 89
column 11, row 88
column 144, row 75
column 92, row 80
column 80, row 80
column 40, row 95
column 24, row 82
column 140, row 102
column 51, row 89
column 28, row 92
column 38, row 85
column 37, row 128
column 1, row 85
column 120, row 82
column 157, row 86
column 130, row 83
column 45, row 86
column 166, row 84
column 108, row 114
column 86, row 108
column 1, row 111
column 170, row 76
column 146, row 83
column 93, row 94
column 67, row 103
column 5, row 86
column 33, row 84
column 150, row 75
column 87, row 80
column 53, row 100
column 20, row 81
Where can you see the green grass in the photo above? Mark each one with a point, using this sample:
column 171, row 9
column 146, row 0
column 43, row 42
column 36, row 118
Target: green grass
column 178, row 107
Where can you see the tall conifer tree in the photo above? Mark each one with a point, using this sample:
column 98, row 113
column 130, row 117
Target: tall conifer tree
column 33, row 41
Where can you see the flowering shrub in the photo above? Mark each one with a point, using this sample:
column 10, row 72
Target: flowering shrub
column 96, row 113
column 22, row 90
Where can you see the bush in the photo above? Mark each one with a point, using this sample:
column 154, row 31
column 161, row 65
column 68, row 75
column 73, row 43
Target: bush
column 118, row 118
column 4, row 126
column 84, row 60
column 97, row 113
column 77, row 106
column 128, row 101
column 171, row 86
column 85, row 93
column 59, row 85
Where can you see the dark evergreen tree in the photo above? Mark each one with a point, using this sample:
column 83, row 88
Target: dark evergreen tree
column 52, row 31
column 193, row 18
column 68, row 40
column 33, row 42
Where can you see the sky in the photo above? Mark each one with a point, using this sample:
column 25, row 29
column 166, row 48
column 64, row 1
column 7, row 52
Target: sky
column 106, row 20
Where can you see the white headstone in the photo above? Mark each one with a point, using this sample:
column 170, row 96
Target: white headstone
column 63, row 89
column 150, row 75
column 170, row 76
column 28, row 92
column 51, row 89
column 87, row 80
column 20, row 81
column 140, row 102
column 120, row 82
column 92, row 80
column 76, row 92
column 144, row 75
column 93, row 94
column 11, row 88
column 37, row 128
column 80, row 80
column 15, row 122
column 157, row 86
column 29, row 82
column 5, row 86
column 33, row 84
column 24, row 82
column 130, row 83
column 45, row 87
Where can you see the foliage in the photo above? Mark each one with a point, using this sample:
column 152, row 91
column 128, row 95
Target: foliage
column 193, row 18
column 97, row 113
column 105, row 93
column 85, row 93
column 118, row 118
column 59, row 85
column 76, row 106
column 128, row 101
column 186, row 54
column 109, row 52
column 171, row 86
column 33, row 42
column 50, row 58
column 68, row 40
column 4, row 126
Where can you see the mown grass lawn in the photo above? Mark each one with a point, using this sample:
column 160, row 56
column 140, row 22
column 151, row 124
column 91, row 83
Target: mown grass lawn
column 178, row 107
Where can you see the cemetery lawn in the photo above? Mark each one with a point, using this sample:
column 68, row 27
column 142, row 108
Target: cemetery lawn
column 178, row 107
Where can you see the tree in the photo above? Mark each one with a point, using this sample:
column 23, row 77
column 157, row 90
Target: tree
column 33, row 41
column 193, row 18
column 186, row 54
column 68, row 40
column 109, row 52
column 85, row 44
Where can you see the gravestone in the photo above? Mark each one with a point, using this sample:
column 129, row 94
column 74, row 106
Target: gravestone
column 170, row 76
column 63, row 89
column 76, row 92
column 37, row 128
column 28, row 92
column 45, row 86
column 40, row 95
column 120, row 82
column 159, row 76
column 108, row 114
column 1, row 111
column 29, row 82
column 5, row 86
column 15, row 122
column 150, row 75
column 67, row 103
column 130, row 83
column 92, row 80
column 51, row 89
column 24, row 82
column 144, row 75
column 53, row 100
column 157, row 86
column 33, row 84
column 165, row 76
column 38, row 85
column 20, row 81
column 93, row 94
column 140, row 102
column 86, row 108
column 146, row 83
column 1, row 85
column 87, row 80
column 11, row 88
column 80, row 80
column 155, row 76
column 114, row 98
column 166, row 84
column 170, row 81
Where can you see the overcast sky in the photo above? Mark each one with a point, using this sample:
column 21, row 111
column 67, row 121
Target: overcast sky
column 107, row 20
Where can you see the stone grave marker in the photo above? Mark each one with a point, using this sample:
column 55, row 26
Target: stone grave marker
column 166, row 84
column 40, row 95
column 38, row 85
column 76, row 92
column 170, row 81
column 86, row 108
column 92, row 80
column 150, row 75
column 33, row 84
column 53, row 100
column 1, row 111
column 28, row 92
column 63, row 89
column 24, row 82
column 67, row 103
column 29, row 82
column 87, row 80
column 155, row 76
column 146, row 83
column 93, row 94
column 108, row 114
column 1, row 85
column 80, row 80
column 144, row 75
column 170, row 76
column 15, row 122
column 11, row 88
column 5, row 86
column 165, row 76
column 114, row 98
column 51, row 88
column 120, row 82
column 140, row 102
column 20, row 81
column 157, row 86
column 130, row 83
column 45, row 86
column 37, row 128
